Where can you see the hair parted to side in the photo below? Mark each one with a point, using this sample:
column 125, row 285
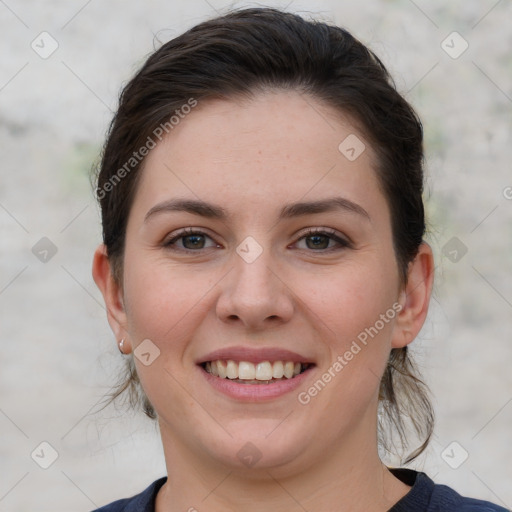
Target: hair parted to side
column 263, row 49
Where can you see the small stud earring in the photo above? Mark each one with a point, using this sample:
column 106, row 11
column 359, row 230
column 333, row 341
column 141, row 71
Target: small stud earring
column 121, row 345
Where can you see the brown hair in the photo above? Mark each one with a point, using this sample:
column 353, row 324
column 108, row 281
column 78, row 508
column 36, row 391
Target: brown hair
column 259, row 49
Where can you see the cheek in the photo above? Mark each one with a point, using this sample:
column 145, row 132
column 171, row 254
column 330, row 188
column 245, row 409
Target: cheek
column 354, row 307
column 161, row 301
column 164, row 305
column 350, row 299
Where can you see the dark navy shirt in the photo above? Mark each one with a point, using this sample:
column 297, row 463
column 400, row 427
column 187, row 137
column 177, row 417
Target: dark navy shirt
column 424, row 496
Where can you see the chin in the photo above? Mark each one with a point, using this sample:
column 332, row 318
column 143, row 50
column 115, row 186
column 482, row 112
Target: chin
column 257, row 445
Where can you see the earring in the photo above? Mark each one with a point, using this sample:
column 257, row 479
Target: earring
column 121, row 345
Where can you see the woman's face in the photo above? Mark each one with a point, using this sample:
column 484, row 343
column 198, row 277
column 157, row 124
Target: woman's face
column 252, row 285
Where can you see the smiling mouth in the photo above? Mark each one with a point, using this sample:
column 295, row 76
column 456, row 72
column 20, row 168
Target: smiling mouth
column 265, row 372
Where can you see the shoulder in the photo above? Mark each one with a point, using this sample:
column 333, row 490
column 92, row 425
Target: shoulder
column 426, row 496
column 445, row 498
column 143, row 502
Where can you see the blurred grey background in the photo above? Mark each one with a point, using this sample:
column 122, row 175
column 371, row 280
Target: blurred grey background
column 61, row 69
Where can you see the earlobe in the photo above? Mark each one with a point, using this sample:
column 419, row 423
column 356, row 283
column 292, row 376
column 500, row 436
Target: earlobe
column 112, row 295
column 415, row 298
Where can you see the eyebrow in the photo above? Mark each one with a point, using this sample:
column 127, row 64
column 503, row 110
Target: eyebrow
column 289, row 211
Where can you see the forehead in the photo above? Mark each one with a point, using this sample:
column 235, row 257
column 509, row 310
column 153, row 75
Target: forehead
column 273, row 149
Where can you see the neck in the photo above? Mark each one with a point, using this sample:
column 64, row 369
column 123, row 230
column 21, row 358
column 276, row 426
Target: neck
column 349, row 478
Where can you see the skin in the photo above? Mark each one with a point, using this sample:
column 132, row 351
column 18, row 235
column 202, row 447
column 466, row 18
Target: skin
column 252, row 158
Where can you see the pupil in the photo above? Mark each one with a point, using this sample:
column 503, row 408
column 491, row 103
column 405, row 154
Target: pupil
column 196, row 240
column 317, row 237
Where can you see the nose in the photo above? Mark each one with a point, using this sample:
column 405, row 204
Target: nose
column 255, row 295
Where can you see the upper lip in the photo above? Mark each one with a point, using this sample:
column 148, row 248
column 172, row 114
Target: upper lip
column 254, row 355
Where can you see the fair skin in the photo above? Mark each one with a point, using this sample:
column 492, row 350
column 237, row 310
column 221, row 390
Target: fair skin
column 252, row 158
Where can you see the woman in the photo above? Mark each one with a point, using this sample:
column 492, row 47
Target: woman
column 264, row 269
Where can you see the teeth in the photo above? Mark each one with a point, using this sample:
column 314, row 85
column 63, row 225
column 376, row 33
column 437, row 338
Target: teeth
column 263, row 371
column 221, row 368
column 288, row 369
column 246, row 371
column 232, row 370
column 278, row 370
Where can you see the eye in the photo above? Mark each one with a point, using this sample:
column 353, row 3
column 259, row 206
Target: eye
column 190, row 240
column 319, row 240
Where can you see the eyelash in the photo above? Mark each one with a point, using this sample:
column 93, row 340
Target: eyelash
column 329, row 233
column 183, row 234
column 343, row 243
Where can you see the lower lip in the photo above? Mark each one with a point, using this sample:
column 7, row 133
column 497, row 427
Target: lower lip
column 255, row 392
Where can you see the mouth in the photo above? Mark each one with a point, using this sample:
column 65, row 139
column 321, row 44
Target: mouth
column 250, row 374
column 260, row 373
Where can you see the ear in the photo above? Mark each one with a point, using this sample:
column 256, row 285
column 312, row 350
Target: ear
column 112, row 295
column 414, row 298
